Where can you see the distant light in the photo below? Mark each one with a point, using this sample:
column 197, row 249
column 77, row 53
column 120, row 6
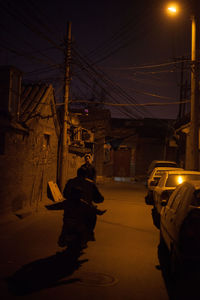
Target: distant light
column 180, row 179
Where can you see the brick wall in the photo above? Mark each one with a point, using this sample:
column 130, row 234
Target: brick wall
column 29, row 162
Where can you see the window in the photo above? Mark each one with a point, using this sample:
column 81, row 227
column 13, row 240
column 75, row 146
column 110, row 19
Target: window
column 175, row 179
column 160, row 172
column 178, row 198
column 162, row 181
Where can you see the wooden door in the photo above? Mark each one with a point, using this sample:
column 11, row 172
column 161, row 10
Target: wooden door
column 122, row 162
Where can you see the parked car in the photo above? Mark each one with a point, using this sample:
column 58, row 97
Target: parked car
column 180, row 225
column 160, row 163
column 167, row 184
column 153, row 181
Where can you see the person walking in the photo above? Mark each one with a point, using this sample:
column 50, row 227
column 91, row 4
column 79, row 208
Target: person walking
column 89, row 167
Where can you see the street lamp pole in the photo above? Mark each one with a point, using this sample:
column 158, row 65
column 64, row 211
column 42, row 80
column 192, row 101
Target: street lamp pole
column 192, row 159
column 194, row 130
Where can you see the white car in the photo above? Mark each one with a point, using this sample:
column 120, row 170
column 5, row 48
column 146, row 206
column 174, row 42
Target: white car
column 160, row 163
column 180, row 224
column 153, row 181
column 167, row 184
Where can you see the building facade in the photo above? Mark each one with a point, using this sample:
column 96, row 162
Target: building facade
column 30, row 132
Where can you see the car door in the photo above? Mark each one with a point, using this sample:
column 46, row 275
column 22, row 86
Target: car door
column 182, row 209
column 167, row 217
column 174, row 213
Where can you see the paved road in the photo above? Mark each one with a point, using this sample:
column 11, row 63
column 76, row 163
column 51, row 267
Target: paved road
column 121, row 264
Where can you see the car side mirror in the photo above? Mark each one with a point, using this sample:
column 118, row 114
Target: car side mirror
column 163, row 203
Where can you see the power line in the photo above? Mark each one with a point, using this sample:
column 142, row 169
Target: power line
column 114, row 87
column 32, row 7
column 149, row 66
column 123, row 37
column 131, row 104
column 21, row 19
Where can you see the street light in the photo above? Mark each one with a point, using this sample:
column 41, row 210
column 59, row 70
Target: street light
column 193, row 157
column 173, row 9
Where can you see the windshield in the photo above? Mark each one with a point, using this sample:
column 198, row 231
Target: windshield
column 175, row 179
column 160, row 172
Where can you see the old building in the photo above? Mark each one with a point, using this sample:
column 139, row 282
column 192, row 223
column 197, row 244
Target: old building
column 130, row 146
column 29, row 141
column 124, row 148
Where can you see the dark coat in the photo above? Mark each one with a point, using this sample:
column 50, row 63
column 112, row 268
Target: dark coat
column 89, row 190
column 90, row 171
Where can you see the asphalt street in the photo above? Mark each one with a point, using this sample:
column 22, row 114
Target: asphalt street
column 122, row 263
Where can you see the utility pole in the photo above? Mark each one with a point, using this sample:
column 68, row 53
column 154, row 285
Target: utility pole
column 185, row 96
column 180, row 114
column 194, row 128
column 64, row 145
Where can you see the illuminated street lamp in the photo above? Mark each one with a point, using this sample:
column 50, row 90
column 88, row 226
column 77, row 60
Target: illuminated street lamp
column 173, row 9
column 193, row 157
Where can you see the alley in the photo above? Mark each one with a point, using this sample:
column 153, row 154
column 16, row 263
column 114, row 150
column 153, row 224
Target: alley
column 121, row 264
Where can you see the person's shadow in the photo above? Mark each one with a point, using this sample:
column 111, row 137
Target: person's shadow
column 46, row 273
column 183, row 285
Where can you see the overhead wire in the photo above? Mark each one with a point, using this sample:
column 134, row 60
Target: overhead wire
column 124, row 36
column 133, row 104
column 21, row 18
column 89, row 85
column 44, row 69
column 27, row 43
column 127, row 33
column 106, row 82
column 149, row 66
column 105, row 79
column 24, row 21
column 22, row 54
column 32, row 7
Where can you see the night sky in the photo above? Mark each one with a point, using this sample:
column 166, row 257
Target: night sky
column 123, row 52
